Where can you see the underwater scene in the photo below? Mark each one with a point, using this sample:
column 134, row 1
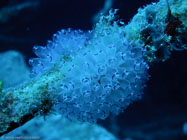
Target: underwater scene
column 93, row 70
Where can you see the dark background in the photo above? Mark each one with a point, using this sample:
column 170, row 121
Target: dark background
column 163, row 109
